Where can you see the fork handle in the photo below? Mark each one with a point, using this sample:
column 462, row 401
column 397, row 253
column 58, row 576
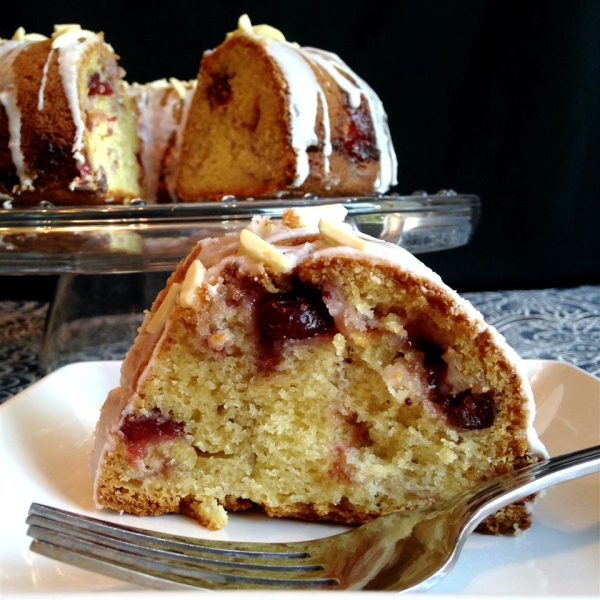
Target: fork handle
column 531, row 479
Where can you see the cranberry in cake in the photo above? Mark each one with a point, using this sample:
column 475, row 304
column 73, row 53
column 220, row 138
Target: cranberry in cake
column 316, row 373
column 270, row 117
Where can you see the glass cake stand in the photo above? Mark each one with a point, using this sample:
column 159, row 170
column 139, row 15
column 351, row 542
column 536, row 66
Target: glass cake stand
column 113, row 260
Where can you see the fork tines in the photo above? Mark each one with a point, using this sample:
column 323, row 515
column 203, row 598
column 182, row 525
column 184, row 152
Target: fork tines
column 160, row 560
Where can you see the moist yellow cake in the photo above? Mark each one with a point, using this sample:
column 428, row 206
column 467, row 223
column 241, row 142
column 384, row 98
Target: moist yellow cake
column 270, row 117
column 315, row 373
column 161, row 112
column 67, row 130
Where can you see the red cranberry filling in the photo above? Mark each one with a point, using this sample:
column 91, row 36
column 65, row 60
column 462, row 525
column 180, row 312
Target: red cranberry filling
column 466, row 410
column 219, row 91
column 295, row 315
column 51, row 157
column 85, row 170
column 97, row 87
column 141, row 432
column 360, row 143
column 470, row 411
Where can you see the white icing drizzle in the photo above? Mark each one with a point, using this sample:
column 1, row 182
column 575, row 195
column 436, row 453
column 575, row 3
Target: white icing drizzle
column 305, row 94
column 71, row 47
column 8, row 97
column 162, row 108
column 44, row 78
column 304, row 91
column 340, row 73
column 327, row 147
column 356, row 88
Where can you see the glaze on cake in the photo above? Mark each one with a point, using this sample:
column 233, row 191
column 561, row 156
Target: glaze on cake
column 270, row 117
column 67, row 130
column 162, row 107
column 316, row 373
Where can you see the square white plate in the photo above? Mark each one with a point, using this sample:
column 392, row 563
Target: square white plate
column 46, row 435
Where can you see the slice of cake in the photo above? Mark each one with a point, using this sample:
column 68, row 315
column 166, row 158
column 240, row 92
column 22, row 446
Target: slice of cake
column 162, row 107
column 270, row 117
column 317, row 374
column 67, row 129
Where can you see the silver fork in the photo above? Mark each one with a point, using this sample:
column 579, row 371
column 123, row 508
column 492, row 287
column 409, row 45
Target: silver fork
column 410, row 550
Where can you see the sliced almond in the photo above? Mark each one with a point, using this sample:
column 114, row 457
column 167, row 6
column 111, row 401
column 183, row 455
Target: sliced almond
column 309, row 216
column 21, row 35
column 34, row 37
column 164, row 310
column 337, row 234
column 62, row 28
column 262, row 251
column 178, row 86
column 269, row 32
column 245, row 26
column 194, row 278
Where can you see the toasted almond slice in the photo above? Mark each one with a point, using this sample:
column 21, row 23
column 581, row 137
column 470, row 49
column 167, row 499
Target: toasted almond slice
column 338, row 235
column 264, row 252
column 19, row 34
column 245, row 26
column 269, row 32
column 194, row 278
column 262, row 226
column 35, row 37
column 63, row 28
column 164, row 310
column 309, row 216
column 178, row 86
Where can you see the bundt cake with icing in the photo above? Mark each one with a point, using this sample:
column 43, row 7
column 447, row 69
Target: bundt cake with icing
column 161, row 113
column 270, row 117
column 67, row 130
column 314, row 372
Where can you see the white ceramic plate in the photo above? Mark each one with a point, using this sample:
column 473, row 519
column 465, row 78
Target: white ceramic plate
column 45, row 439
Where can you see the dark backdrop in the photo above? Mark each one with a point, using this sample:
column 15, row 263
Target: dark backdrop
column 498, row 99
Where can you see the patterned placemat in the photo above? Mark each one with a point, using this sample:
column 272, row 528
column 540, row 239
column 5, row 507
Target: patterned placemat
column 551, row 324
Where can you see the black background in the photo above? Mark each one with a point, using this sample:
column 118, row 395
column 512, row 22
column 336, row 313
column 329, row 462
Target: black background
column 498, row 99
